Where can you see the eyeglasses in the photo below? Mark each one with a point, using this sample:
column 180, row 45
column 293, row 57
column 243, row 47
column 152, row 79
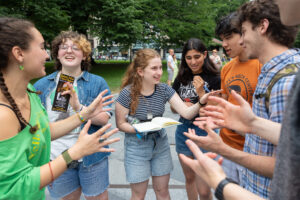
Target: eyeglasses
column 65, row 47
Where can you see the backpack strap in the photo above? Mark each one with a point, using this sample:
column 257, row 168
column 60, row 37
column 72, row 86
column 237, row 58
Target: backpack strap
column 288, row 70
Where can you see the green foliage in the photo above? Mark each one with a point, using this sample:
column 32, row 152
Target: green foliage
column 297, row 42
column 120, row 23
column 125, row 22
column 175, row 21
column 47, row 15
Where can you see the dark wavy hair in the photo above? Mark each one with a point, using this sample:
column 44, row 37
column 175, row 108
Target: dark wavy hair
column 257, row 10
column 78, row 39
column 14, row 32
column 185, row 74
column 228, row 24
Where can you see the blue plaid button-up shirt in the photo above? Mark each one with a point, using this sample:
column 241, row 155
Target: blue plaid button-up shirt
column 254, row 182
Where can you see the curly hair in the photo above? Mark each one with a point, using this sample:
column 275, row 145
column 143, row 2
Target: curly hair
column 257, row 10
column 140, row 61
column 79, row 40
column 185, row 74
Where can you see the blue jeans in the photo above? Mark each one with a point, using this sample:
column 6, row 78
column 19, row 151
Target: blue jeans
column 180, row 138
column 93, row 180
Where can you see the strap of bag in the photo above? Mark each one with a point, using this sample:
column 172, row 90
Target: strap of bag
column 288, row 70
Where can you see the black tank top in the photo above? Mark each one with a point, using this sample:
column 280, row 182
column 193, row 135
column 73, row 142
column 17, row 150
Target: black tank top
column 21, row 123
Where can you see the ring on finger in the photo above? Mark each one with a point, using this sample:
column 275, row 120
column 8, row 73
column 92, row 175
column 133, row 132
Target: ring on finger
column 102, row 140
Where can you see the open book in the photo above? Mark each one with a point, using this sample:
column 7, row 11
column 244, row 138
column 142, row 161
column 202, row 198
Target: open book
column 155, row 124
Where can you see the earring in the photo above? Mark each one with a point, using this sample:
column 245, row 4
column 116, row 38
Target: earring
column 21, row 67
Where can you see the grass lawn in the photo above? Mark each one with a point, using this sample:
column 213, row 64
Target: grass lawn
column 112, row 72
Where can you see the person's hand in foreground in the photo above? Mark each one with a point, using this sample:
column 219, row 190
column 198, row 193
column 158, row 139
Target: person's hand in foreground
column 91, row 143
column 237, row 117
column 212, row 142
column 204, row 165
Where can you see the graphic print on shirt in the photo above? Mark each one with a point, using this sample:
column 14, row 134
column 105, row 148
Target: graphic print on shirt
column 37, row 138
column 240, row 83
column 188, row 92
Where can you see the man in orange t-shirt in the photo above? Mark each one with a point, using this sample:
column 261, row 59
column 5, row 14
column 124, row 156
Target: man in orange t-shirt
column 240, row 74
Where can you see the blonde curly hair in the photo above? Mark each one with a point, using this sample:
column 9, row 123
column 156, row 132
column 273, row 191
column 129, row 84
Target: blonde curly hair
column 78, row 39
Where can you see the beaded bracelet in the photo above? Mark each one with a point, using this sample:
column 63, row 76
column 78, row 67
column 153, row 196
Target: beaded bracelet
column 80, row 117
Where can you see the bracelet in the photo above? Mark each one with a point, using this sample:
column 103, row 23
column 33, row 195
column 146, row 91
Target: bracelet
column 202, row 104
column 220, row 187
column 80, row 117
column 52, row 177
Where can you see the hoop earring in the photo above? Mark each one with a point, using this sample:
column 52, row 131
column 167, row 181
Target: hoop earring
column 21, row 67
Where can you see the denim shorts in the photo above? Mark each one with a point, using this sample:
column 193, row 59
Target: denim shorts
column 180, row 138
column 147, row 157
column 93, row 180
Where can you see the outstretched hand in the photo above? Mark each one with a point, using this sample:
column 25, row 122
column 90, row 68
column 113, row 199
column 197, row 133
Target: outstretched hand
column 202, row 121
column 237, row 117
column 97, row 105
column 204, row 99
column 212, row 142
column 91, row 143
column 204, row 165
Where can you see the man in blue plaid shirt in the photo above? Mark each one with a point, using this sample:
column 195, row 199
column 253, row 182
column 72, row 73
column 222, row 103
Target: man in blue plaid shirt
column 285, row 183
column 266, row 38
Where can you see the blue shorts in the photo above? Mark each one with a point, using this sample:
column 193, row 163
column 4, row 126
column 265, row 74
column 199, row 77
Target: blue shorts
column 181, row 147
column 93, row 180
column 147, row 157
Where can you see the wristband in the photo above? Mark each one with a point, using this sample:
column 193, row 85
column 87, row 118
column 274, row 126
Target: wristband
column 220, row 187
column 202, row 104
column 138, row 134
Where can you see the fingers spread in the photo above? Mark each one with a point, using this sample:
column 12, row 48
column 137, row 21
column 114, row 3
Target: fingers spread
column 108, row 142
column 110, row 133
column 238, row 98
column 103, row 92
column 194, row 149
column 86, row 127
column 102, row 130
column 107, row 103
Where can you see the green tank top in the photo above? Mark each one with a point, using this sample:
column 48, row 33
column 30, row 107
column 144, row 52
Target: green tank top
column 22, row 155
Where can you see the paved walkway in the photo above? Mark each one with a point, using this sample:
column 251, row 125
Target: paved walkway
column 119, row 188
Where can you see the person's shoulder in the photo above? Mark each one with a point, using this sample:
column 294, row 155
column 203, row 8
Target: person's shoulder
column 95, row 76
column 126, row 89
column 9, row 123
column 163, row 85
column 228, row 66
column 42, row 81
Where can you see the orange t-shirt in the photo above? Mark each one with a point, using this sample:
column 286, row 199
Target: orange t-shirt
column 241, row 77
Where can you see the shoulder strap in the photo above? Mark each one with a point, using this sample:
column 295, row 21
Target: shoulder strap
column 21, row 123
column 288, row 70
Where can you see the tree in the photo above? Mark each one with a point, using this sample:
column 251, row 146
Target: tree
column 171, row 22
column 47, row 15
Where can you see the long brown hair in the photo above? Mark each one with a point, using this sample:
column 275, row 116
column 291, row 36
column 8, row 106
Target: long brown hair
column 140, row 61
column 13, row 32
